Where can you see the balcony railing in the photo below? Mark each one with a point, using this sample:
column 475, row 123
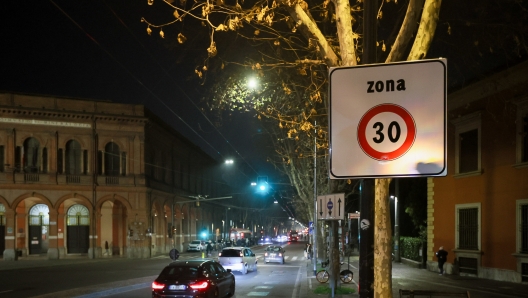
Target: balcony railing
column 112, row 180
column 31, row 177
column 73, row 179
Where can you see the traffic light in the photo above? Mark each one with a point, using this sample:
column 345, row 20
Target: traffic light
column 262, row 184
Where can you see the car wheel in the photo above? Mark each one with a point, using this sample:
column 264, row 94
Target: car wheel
column 245, row 269
column 231, row 290
column 255, row 268
column 282, row 261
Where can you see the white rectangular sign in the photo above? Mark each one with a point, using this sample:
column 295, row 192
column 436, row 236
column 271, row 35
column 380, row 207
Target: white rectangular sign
column 388, row 120
column 331, row 207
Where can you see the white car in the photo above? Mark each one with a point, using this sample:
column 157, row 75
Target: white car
column 195, row 245
column 240, row 259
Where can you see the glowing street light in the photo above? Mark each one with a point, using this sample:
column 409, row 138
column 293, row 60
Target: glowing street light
column 252, row 83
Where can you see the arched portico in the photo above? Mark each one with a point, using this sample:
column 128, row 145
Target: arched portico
column 35, row 227
column 112, row 227
column 74, row 222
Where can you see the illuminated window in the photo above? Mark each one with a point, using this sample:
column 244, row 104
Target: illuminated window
column 2, row 215
column 78, row 215
column 39, row 215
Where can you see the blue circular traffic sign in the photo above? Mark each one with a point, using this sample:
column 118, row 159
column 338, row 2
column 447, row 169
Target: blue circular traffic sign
column 330, row 205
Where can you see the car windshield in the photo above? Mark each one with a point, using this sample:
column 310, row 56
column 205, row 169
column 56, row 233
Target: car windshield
column 273, row 248
column 231, row 253
column 184, row 271
column 195, row 242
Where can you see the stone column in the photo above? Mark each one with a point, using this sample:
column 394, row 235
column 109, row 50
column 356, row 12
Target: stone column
column 53, row 251
column 61, row 228
column 10, row 252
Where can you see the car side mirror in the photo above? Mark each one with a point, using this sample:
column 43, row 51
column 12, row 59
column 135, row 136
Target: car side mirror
column 228, row 270
column 252, row 255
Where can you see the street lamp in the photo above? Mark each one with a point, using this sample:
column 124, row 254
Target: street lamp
column 396, row 230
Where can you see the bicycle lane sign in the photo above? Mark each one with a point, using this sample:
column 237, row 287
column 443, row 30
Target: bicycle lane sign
column 388, row 120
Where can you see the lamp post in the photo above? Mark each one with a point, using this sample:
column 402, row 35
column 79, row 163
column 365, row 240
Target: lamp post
column 225, row 232
column 396, row 230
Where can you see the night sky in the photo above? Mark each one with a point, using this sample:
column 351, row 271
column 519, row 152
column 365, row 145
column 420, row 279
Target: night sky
column 100, row 50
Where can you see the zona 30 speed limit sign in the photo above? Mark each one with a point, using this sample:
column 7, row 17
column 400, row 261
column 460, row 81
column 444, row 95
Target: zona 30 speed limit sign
column 388, row 120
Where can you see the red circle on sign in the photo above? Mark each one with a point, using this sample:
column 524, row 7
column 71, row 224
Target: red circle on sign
column 399, row 152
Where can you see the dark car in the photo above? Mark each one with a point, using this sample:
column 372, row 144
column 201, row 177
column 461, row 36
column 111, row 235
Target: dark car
column 194, row 278
column 265, row 240
column 274, row 253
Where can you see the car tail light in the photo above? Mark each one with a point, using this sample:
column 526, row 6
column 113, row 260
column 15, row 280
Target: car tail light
column 199, row 285
column 157, row 286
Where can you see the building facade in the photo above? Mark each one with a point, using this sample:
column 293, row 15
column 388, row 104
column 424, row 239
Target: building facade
column 479, row 211
column 97, row 179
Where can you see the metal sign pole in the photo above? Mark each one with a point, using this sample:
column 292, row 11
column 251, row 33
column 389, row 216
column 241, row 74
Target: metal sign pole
column 314, row 244
column 366, row 253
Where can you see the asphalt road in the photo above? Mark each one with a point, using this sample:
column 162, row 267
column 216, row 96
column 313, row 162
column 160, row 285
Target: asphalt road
column 270, row 280
column 111, row 277
column 121, row 277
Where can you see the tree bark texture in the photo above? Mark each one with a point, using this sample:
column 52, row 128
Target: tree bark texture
column 382, row 240
column 408, row 27
column 344, row 32
column 426, row 31
column 310, row 30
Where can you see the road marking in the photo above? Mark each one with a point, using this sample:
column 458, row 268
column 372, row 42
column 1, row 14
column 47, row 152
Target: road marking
column 294, row 258
column 297, row 284
column 260, row 294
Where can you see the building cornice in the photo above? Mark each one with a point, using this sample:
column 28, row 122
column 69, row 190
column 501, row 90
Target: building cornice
column 502, row 81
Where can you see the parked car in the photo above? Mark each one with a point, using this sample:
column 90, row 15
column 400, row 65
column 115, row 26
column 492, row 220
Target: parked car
column 194, row 278
column 195, row 245
column 240, row 259
column 274, row 253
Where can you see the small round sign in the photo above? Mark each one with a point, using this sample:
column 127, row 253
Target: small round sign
column 330, row 205
column 174, row 254
column 387, row 133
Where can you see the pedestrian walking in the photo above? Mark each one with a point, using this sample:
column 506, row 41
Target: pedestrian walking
column 209, row 249
column 441, row 254
column 106, row 248
column 308, row 251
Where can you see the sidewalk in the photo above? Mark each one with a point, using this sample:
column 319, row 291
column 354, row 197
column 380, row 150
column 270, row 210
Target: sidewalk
column 410, row 278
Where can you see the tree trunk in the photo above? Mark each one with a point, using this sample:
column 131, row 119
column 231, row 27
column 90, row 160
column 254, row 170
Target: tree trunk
column 426, row 31
column 382, row 240
column 409, row 25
